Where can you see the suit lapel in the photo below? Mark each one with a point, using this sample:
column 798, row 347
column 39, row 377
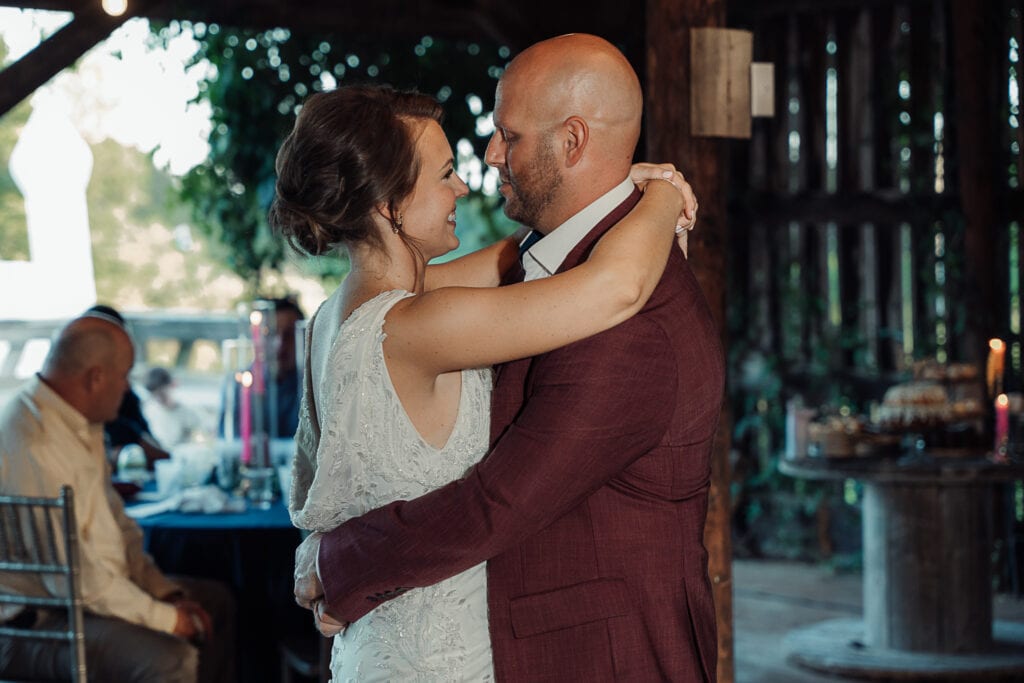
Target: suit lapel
column 584, row 246
column 510, row 378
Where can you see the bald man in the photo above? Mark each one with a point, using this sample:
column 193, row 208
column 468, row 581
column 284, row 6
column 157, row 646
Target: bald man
column 590, row 507
column 51, row 434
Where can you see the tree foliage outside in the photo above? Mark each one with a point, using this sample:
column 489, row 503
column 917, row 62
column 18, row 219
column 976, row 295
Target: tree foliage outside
column 255, row 84
column 144, row 256
column 13, row 230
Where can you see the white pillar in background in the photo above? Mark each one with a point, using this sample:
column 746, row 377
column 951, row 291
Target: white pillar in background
column 51, row 165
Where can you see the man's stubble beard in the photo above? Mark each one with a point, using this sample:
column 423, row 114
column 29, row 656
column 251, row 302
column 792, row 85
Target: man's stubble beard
column 534, row 191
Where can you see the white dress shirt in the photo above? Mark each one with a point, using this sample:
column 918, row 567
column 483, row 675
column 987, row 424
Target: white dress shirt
column 170, row 425
column 546, row 255
column 45, row 443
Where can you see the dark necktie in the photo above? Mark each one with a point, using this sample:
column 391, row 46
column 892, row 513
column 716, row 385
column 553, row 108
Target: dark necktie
column 530, row 240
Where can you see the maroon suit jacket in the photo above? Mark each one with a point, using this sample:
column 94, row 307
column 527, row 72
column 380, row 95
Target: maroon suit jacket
column 590, row 507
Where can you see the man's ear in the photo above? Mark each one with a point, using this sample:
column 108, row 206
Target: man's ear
column 577, row 135
column 92, row 379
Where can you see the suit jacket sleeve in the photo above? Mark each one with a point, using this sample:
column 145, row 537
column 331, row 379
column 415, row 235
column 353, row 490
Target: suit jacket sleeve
column 594, row 407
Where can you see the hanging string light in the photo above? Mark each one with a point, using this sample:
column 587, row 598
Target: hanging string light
column 115, row 8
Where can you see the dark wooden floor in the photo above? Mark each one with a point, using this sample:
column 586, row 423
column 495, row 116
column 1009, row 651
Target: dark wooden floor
column 771, row 598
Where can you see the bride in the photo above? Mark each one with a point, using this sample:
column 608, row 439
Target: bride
column 397, row 375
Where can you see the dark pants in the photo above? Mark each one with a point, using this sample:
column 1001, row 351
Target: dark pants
column 118, row 651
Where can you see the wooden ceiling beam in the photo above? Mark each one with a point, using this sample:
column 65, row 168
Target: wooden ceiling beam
column 515, row 25
column 763, row 9
column 383, row 17
column 89, row 26
column 50, row 5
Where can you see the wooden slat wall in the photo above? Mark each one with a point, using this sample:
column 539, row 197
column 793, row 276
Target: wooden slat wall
column 796, row 222
column 877, row 156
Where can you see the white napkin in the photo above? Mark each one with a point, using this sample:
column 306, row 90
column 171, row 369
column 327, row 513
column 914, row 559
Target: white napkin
column 205, row 499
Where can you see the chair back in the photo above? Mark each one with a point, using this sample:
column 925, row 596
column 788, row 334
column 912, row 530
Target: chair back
column 38, row 543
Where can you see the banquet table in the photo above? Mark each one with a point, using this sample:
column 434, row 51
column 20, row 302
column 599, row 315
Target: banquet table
column 253, row 553
column 927, row 572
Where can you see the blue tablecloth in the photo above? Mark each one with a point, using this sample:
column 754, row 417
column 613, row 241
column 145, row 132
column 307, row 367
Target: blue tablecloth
column 274, row 518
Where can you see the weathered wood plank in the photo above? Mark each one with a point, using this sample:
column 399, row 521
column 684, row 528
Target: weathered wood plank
column 883, row 93
column 703, row 160
column 812, row 29
column 924, row 60
column 883, row 207
column 975, row 67
column 926, row 567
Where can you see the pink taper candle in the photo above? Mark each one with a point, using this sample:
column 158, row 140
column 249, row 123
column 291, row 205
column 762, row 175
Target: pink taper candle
column 245, row 416
column 1002, row 423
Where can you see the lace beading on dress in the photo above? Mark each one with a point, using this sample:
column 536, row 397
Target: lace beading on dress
column 357, row 450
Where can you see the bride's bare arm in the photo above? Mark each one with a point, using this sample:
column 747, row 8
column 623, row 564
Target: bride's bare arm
column 457, row 327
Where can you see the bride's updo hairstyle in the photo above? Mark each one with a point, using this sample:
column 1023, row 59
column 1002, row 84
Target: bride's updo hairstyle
column 351, row 151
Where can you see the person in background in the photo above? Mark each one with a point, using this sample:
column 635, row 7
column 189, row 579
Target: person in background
column 286, row 379
column 129, row 425
column 140, row 625
column 170, row 421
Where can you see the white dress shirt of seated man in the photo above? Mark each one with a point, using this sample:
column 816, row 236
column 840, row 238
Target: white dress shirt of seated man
column 51, row 434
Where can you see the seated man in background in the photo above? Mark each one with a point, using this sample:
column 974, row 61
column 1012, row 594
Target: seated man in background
column 285, row 419
column 129, row 425
column 171, row 421
column 139, row 624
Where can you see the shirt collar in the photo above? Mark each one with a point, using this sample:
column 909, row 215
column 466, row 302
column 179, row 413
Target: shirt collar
column 49, row 400
column 551, row 250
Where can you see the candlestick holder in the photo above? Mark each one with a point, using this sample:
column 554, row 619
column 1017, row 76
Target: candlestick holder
column 260, row 396
column 236, row 357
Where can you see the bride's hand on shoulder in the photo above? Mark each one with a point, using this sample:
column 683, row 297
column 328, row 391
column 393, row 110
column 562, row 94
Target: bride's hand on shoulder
column 643, row 173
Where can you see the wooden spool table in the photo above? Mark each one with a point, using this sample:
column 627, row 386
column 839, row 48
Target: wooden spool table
column 927, row 529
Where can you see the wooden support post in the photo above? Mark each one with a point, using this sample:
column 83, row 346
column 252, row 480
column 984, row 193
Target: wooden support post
column 702, row 160
column 974, row 68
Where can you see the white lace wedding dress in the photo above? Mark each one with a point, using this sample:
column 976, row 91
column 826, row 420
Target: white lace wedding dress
column 357, row 450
